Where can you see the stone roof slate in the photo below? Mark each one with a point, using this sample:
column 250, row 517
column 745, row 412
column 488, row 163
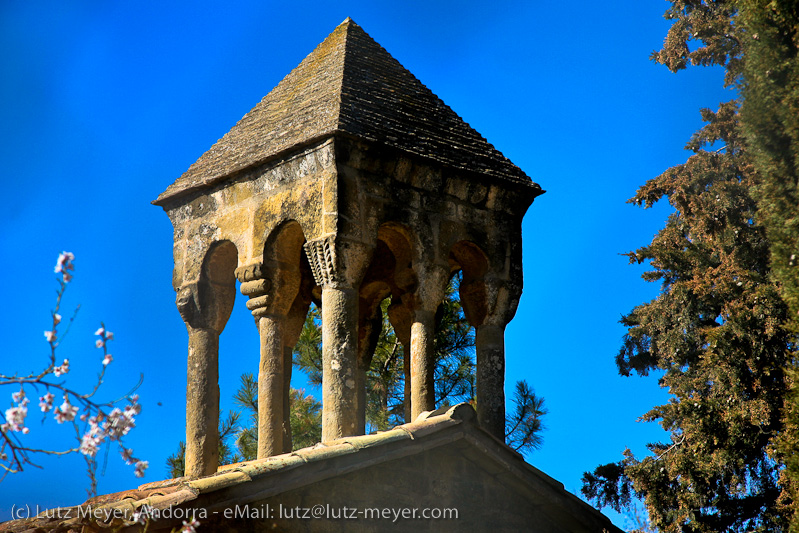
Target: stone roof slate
column 348, row 85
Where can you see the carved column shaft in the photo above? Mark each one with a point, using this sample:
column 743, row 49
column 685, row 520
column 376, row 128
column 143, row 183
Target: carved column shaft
column 429, row 288
column 205, row 308
column 338, row 266
column 491, row 303
column 202, row 403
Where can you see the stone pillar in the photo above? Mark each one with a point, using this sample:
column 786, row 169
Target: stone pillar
column 490, row 303
column 401, row 319
column 270, row 386
column 204, row 322
column 338, row 266
column 431, row 283
column 423, row 393
column 490, row 379
column 202, row 403
column 271, row 288
column 339, row 361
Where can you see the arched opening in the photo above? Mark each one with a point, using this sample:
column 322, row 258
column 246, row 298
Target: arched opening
column 218, row 287
column 472, row 262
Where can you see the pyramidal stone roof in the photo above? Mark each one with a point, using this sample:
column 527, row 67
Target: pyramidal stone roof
column 349, row 84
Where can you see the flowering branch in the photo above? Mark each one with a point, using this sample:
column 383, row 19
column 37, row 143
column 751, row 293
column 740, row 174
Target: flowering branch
column 98, row 423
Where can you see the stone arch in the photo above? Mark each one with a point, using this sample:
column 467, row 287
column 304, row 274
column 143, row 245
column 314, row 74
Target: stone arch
column 389, row 274
column 471, row 260
column 279, row 289
column 284, row 243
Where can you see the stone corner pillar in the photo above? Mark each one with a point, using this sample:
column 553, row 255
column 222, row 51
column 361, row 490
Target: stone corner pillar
column 202, row 382
column 493, row 303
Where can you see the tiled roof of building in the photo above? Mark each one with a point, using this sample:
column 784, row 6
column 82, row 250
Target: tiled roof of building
column 234, row 484
column 348, row 85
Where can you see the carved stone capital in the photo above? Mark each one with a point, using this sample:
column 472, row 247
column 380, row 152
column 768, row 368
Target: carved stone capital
column 188, row 304
column 490, row 301
column 322, row 258
column 337, row 261
column 271, row 287
column 203, row 305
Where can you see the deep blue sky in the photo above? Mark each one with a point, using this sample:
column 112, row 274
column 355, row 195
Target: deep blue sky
column 104, row 104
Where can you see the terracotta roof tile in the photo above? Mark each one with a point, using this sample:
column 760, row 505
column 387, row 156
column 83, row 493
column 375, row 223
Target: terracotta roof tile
column 233, row 481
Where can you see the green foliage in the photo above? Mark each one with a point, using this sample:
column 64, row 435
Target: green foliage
column 453, row 350
column 717, row 333
column 523, row 426
column 306, row 419
column 770, row 119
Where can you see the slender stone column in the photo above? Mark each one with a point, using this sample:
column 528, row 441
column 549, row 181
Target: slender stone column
column 338, row 266
column 292, row 329
column 490, row 383
column 271, row 288
column 423, row 393
column 202, row 403
column 270, row 386
column 339, row 360
column 401, row 319
column 205, row 308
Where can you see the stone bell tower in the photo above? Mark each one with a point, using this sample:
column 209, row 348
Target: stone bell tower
column 349, row 183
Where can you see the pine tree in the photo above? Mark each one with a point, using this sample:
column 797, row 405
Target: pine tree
column 717, row 331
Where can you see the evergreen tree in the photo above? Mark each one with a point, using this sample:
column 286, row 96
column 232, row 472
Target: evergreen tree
column 717, row 330
column 770, row 118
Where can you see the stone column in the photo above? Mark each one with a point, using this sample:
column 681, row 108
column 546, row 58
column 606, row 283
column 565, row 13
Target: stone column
column 270, row 386
column 490, row 304
column 401, row 319
column 423, row 393
column 431, row 285
column 490, row 379
column 338, row 266
column 271, row 288
column 339, row 361
column 202, row 403
column 202, row 377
